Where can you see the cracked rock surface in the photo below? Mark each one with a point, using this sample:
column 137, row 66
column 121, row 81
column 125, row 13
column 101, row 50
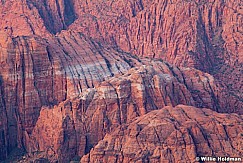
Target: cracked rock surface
column 72, row 71
column 171, row 134
column 76, row 125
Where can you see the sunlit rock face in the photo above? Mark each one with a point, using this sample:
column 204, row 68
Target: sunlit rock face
column 171, row 134
column 76, row 125
column 108, row 62
column 206, row 35
column 203, row 34
column 36, row 72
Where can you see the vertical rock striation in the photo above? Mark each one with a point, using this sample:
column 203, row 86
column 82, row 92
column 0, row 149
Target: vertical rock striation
column 75, row 126
column 206, row 35
column 4, row 137
column 172, row 134
column 57, row 15
column 73, row 71
column 37, row 72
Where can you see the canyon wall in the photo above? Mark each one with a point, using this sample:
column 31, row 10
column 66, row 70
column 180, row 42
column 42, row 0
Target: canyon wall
column 206, row 35
column 64, row 63
column 172, row 134
column 73, row 127
column 3, row 125
column 36, row 72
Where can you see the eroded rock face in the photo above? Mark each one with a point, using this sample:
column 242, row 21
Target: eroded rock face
column 182, row 32
column 36, row 72
column 201, row 34
column 76, row 125
column 20, row 19
column 206, row 35
column 4, row 137
column 55, row 53
column 172, row 135
column 57, row 15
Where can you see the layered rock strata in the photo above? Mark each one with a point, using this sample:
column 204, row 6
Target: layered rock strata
column 76, row 125
column 37, row 72
column 172, row 134
column 198, row 33
column 201, row 34
column 206, row 35
column 55, row 51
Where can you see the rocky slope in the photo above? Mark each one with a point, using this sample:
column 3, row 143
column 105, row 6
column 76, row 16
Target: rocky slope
column 206, row 35
column 3, row 126
column 176, row 28
column 36, row 72
column 196, row 33
column 76, row 125
column 178, row 134
column 65, row 53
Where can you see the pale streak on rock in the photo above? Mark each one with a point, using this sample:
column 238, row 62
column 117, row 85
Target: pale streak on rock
column 114, row 102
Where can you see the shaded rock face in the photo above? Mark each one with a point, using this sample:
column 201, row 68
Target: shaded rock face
column 3, row 126
column 76, row 125
column 182, row 32
column 206, row 35
column 172, row 134
column 57, row 15
column 36, row 72
column 64, row 63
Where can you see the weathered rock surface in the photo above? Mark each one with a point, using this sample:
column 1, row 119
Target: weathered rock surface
column 178, row 134
column 18, row 18
column 76, row 125
column 36, row 72
column 201, row 34
column 3, row 126
column 196, row 33
column 57, row 15
column 58, row 52
column 206, row 35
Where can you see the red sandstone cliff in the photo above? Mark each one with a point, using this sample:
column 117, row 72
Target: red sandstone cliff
column 36, row 72
column 76, row 125
column 3, row 126
column 206, row 35
column 55, row 53
column 178, row 134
